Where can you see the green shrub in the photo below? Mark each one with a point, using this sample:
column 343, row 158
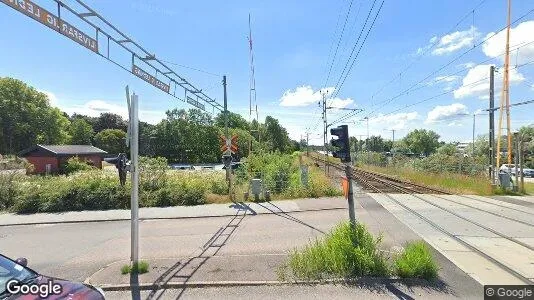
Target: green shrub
column 153, row 173
column 9, row 182
column 416, row 261
column 343, row 252
column 74, row 164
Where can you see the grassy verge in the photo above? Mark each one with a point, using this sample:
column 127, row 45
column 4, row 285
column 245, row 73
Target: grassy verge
column 349, row 253
column 281, row 175
column 139, row 268
column 456, row 183
column 416, row 261
column 529, row 188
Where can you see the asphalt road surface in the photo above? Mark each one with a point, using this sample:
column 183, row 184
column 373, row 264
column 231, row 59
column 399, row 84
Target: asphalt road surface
column 76, row 251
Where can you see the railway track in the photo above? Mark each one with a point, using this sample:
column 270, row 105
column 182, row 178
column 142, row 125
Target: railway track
column 442, row 201
column 371, row 181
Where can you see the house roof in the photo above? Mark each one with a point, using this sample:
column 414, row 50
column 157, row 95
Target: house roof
column 66, row 149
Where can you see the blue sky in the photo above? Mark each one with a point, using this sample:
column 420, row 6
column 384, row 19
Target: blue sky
column 293, row 46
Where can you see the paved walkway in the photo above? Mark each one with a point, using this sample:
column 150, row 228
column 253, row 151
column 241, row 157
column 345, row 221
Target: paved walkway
column 176, row 212
column 491, row 240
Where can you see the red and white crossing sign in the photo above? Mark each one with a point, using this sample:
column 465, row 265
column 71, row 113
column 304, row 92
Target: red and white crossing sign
column 229, row 145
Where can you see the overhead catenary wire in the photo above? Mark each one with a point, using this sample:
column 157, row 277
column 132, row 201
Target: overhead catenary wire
column 338, row 42
column 387, row 101
column 337, row 86
column 427, row 50
column 351, row 114
column 191, row 68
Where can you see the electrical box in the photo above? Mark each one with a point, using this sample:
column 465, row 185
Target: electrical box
column 505, row 180
column 255, row 186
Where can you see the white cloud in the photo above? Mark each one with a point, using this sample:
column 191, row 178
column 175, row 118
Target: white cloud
column 440, row 113
column 450, row 78
column 457, row 40
column 467, row 65
column 455, row 124
column 395, row 121
column 476, row 82
column 51, row 97
column 94, row 108
column 519, row 36
column 301, row 96
column 305, row 95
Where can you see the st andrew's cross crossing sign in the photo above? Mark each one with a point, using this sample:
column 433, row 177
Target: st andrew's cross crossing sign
column 229, row 145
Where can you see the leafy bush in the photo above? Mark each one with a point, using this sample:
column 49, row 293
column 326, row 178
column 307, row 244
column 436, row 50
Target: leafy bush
column 280, row 174
column 416, row 261
column 343, row 252
column 8, row 187
column 371, row 158
column 153, row 173
column 74, row 164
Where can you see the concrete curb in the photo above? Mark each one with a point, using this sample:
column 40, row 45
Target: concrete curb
column 207, row 284
column 163, row 218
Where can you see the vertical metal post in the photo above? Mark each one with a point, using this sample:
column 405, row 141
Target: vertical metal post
column 307, row 144
column 473, row 145
column 134, row 169
column 516, row 162
column 520, row 142
column 325, row 132
column 350, row 197
column 225, row 108
column 492, row 126
column 227, row 161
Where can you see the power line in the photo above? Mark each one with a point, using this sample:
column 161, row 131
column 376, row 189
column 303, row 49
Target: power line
column 427, row 50
column 447, row 92
column 191, row 68
column 338, row 88
column 339, row 42
column 387, row 101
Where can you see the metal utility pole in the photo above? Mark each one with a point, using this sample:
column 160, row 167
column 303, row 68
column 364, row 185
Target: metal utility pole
column 505, row 96
column 227, row 158
column 522, row 176
column 473, row 145
column 492, row 126
column 516, row 161
column 325, row 128
column 134, row 170
column 253, row 105
column 367, row 118
column 307, row 144
column 350, row 196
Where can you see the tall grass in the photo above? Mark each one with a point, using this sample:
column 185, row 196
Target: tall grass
column 347, row 252
column 416, row 261
column 344, row 252
column 453, row 182
column 281, row 175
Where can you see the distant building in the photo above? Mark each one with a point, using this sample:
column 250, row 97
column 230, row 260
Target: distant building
column 47, row 159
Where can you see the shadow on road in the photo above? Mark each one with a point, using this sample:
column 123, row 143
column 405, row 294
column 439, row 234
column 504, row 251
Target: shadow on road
column 396, row 286
column 283, row 214
column 182, row 271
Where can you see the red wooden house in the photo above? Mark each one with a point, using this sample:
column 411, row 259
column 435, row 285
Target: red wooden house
column 47, row 159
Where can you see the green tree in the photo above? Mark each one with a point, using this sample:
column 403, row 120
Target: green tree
column 234, row 121
column 109, row 121
column 447, row 149
column 111, row 140
column 81, row 132
column 276, row 136
column 26, row 118
column 422, row 141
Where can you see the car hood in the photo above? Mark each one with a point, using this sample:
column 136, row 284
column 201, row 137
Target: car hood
column 70, row 290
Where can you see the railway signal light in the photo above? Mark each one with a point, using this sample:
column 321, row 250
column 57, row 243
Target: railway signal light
column 120, row 163
column 342, row 143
